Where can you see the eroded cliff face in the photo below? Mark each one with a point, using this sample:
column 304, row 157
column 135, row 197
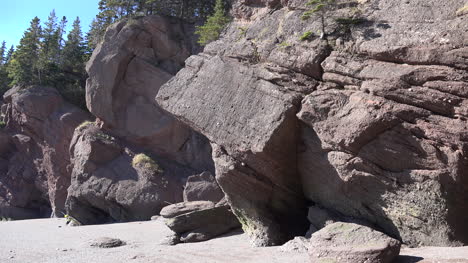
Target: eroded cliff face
column 366, row 117
column 136, row 158
column 34, row 152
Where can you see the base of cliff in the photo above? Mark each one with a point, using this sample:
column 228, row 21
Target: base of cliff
column 51, row 240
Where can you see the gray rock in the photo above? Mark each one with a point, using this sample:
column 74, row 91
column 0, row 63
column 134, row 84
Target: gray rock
column 202, row 187
column 347, row 242
column 174, row 210
column 107, row 242
column 34, row 156
column 112, row 182
column 298, row 245
column 381, row 135
column 125, row 73
column 203, row 224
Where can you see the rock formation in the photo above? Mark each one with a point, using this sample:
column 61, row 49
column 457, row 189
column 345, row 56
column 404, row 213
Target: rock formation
column 126, row 71
column 34, row 174
column 136, row 158
column 199, row 220
column 361, row 111
column 345, row 242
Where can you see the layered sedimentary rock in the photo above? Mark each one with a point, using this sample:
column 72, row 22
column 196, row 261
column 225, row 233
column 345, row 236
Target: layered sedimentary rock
column 126, row 71
column 34, row 152
column 380, row 134
column 112, row 182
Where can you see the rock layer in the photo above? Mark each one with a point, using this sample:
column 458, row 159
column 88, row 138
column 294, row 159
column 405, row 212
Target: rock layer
column 126, row 71
column 114, row 183
column 34, row 152
column 379, row 135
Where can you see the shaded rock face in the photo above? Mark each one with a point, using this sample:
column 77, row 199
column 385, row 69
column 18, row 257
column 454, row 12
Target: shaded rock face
column 112, row 182
column 202, row 187
column 126, row 71
column 199, row 220
column 369, row 122
column 34, row 152
column 346, row 242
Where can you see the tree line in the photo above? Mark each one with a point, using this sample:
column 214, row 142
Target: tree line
column 45, row 56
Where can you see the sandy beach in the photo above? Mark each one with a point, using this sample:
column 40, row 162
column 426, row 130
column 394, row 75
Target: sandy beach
column 50, row 240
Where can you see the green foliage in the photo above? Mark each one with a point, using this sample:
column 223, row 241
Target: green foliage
column 147, row 162
column 84, row 125
column 44, row 58
column 2, row 124
column 316, row 6
column 23, row 67
column 306, row 36
column 214, row 25
column 284, row 44
column 111, row 11
column 349, row 21
column 242, row 32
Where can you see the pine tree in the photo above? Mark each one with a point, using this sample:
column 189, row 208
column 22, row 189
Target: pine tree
column 74, row 51
column 2, row 53
column 211, row 30
column 4, row 81
column 9, row 55
column 319, row 7
column 73, row 66
column 23, row 67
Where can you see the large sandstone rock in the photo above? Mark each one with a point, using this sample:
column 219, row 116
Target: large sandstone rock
column 202, row 187
column 385, row 134
column 379, row 135
column 346, row 242
column 34, row 158
column 126, row 71
column 112, row 182
column 199, row 220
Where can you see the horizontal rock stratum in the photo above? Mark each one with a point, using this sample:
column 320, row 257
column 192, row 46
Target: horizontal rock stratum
column 366, row 117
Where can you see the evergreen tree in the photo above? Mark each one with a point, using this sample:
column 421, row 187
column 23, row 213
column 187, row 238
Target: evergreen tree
column 9, row 55
column 74, row 51
column 23, row 67
column 211, row 30
column 4, row 81
column 319, row 7
column 2, row 53
column 73, row 66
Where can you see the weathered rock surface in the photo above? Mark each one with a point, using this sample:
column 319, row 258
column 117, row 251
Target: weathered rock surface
column 125, row 73
column 174, row 210
column 346, row 242
column 199, row 220
column 114, row 182
column 202, row 187
column 34, row 156
column 385, row 134
column 380, row 134
column 107, row 242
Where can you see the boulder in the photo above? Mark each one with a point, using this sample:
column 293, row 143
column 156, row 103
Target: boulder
column 174, row 210
column 126, row 72
column 112, row 182
column 202, row 187
column 34, row 152
column 107, row 242
column 347, row 242
column 199, row 220
column 366, row 118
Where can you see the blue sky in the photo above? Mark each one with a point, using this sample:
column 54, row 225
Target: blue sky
column 15, row 15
